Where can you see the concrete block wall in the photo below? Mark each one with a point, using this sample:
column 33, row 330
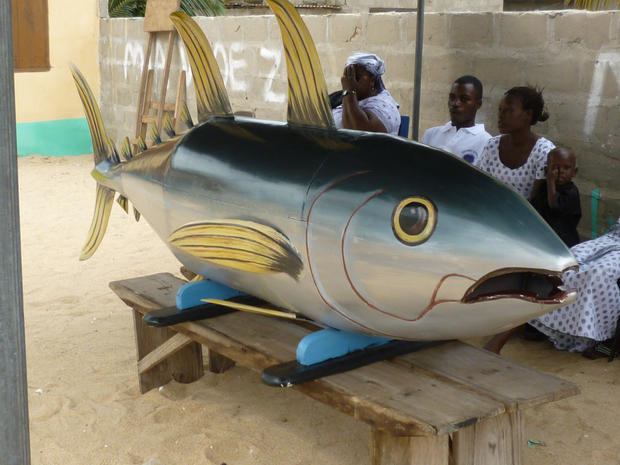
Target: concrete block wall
column 575, row 56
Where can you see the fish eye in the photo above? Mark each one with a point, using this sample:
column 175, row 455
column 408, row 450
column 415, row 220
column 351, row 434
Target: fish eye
column 413, row 220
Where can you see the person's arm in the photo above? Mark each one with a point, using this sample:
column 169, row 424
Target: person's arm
column 353, row 116
column 552, row 177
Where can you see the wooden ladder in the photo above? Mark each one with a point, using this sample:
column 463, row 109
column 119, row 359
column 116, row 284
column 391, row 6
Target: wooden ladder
column 156, row 20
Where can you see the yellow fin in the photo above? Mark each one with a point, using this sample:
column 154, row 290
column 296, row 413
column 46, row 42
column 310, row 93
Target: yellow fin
column 123, row 202
column 308, row 100
column 103, row 205
column 239, row 245
column 126, row 149
column 186, row 117
column 211, row 95
column 154, row 134
column 253, row 309
column 93, row 116
column 168, row 126
column 141, row 143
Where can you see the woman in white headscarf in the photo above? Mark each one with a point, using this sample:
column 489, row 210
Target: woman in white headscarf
column 366, row 103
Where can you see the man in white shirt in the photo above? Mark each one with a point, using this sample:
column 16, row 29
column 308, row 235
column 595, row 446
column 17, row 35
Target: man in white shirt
column 461, row 135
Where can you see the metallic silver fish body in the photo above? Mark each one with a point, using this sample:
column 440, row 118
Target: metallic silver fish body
column 333, row 194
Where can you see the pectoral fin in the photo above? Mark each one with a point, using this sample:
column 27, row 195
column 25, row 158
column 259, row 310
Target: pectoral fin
column 239, row 245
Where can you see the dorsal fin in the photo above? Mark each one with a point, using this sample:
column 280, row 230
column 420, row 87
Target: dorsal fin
column 113, row 153
column 154, row 134
column 126, row 149
column 211, row 95
column 141, row 143
column 169, row 126
column 93, row 116
column 186, row 117
column 308, row 101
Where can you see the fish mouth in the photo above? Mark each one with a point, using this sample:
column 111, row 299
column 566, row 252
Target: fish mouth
column 538, row 286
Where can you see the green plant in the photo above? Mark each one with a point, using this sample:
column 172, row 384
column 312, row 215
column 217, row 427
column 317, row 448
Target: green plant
column 124, row 8
column 592, row 4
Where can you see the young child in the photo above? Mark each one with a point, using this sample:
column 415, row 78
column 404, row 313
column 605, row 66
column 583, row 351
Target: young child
column 557, row 201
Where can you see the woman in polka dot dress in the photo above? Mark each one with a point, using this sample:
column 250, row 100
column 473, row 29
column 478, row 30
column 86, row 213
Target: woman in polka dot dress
column 518, row 156
column 593, row 316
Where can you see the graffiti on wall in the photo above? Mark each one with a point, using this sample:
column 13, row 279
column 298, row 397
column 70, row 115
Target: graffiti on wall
column 235, row 70
column 607, row 65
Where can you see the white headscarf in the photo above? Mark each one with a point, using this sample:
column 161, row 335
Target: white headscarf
column 371, row 63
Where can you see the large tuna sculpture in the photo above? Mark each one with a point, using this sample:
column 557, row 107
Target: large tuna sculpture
column 364, row 232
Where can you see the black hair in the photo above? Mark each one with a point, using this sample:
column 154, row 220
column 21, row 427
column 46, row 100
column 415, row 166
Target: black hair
column 473, row 80
column 531, row 99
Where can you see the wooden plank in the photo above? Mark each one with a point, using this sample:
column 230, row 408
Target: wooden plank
column 167, row 348
column 164, row 80
column 495, row 441
column 148, row 292
column 493, row 375
column 186, row 365
column 386, row 449
column 157, row 15
column 147, row 339
column 402, row 400
column 180, row 100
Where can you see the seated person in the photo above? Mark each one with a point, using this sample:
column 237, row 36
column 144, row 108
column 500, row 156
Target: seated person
column 518, row 156
column 578, row 327
column 461, row 136
column 366, row 103
column 557, row 200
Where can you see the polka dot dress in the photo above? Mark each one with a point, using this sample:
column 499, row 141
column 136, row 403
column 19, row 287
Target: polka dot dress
column 593, row 316
column 520, row 179
column 382, row 105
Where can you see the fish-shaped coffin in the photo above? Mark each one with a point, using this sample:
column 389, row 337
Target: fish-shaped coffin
column 360, row 231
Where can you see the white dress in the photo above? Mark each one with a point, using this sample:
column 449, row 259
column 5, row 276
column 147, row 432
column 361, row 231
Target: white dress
column 593, row 316
column 522, row 178
column 382, row 105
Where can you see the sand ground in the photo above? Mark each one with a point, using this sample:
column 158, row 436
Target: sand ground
column 84, row 402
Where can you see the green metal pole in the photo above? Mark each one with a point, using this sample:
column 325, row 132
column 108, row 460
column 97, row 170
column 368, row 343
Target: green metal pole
column 417, row 79
column 14, row 435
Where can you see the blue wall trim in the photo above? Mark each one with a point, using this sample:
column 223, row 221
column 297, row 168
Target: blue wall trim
column 54, row 138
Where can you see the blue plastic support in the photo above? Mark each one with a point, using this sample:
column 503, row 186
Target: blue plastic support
column 331, row 343
column 189, row 295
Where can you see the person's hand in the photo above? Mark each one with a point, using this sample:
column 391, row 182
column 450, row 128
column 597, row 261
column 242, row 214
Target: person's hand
column 348, row 79
column 553, row 172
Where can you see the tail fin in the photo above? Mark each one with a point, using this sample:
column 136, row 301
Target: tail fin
column 102, row 149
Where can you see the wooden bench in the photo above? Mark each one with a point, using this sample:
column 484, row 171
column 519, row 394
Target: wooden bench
column 450, row 404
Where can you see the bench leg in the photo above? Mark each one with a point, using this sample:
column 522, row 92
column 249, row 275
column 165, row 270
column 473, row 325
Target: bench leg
column 164, row 355
column 495, row 441
column 218, row 363
column 387, row 449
